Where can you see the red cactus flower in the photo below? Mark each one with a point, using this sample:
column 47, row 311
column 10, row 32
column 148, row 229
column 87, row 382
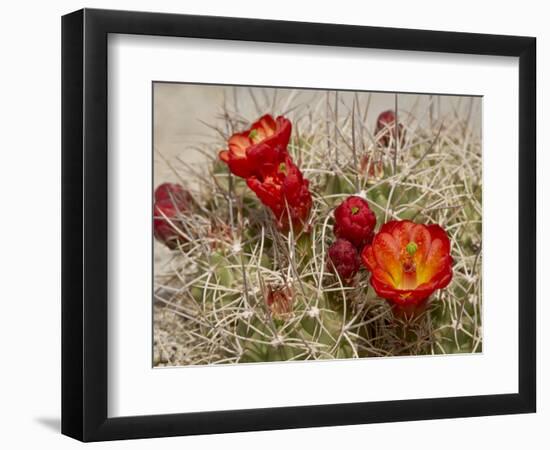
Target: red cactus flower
column 354, row 221
column 171, row 200
column 280, row 302
column 344, row 258
column 408, row 262
column 260, row 149
column 286, row 192
column 385, row 128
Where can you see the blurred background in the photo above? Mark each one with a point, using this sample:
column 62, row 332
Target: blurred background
column 185, row 114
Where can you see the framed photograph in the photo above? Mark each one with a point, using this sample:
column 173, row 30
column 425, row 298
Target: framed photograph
column 274, row 225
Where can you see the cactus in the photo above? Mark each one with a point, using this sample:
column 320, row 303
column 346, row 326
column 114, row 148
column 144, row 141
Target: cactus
column 241, row 290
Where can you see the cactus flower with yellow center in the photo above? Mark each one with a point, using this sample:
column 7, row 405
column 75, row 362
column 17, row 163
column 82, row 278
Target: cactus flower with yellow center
column 260, row 149
column 408, row 262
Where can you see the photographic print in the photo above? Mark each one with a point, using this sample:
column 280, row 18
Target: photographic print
column 306, row 224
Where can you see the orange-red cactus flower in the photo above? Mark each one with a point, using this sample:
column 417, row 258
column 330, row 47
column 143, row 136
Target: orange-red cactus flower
column 385, row 128
column 286, row 192
column 260, row 149
column 171, row 200
column 354, row 221
column 408, row 262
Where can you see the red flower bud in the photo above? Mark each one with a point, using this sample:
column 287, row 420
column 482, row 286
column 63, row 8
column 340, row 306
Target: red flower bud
column 354, row 221
column 171, row 200
column 344, row 258
column 408, row 262
column 385, row 128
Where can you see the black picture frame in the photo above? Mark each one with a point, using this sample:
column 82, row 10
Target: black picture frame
column 84, row 224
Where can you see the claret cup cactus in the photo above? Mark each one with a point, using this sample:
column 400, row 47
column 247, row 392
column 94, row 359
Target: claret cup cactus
column 290, row 249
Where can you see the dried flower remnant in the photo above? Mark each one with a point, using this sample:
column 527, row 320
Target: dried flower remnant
column 280, row 302
column 373, row 168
